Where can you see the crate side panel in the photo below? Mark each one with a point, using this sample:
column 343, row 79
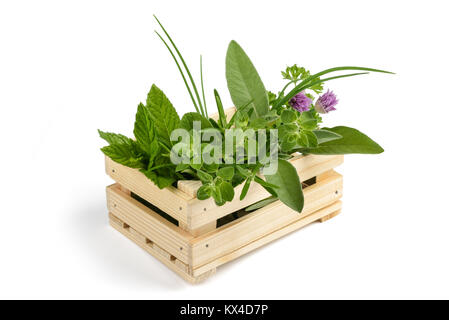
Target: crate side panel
column 148, row 223
column 263, row 221
column 334, row 208
column 204, row 211
column 170, row 200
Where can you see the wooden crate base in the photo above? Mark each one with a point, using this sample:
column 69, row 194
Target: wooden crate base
column 202, row 273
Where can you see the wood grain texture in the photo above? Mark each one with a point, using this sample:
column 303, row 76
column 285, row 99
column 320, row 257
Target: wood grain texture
column 172, row 263
column 236, row 234
column 279, row 233
column 142, row 219
column 170, row 200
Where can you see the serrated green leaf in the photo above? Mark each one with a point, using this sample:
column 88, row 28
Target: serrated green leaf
column 290, row 190
column 144, row 132
column 163, row 114
column 188, row 119
column 244, row 82
column 122, row 150
column 162, row 181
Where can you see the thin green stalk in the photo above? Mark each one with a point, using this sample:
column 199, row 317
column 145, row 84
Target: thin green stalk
column 220, row 108
column 317, row 75
column 300, row 88
column 185, row 65
column 180, row 71
column 202, row 85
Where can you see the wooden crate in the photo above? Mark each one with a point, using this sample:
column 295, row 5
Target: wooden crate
column 194, row 237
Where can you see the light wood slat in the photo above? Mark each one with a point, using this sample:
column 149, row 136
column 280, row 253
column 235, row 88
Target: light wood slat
column 307, row 166
column 203, row 211
column 170, row 200
column 330, row 210
column 168, row 236
column 263, row 221
column 174, row 265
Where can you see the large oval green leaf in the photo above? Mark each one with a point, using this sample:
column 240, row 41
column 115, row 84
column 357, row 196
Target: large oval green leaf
column 290, row 190
column 244, row 83
column 351, row 141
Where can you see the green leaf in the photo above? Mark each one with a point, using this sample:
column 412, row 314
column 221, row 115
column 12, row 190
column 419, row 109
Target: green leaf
column 326, row 135
column 245, row 188
column 122, row 150
column 290, row 190
column 163, row 114
column 113, row 138
column 227, row 191
column 265, row 184
column 308, row 139
column 181, row 167
column 307, row 120
column 261, row 203
column 226, row 173
column 244, row 82
column 288, row 116
column 352, row 141
column 188, row 119
column 144, row 131
column 204, row 176
column 160, row 180
column 218, row 197
column 221, row 113
column 204, row 192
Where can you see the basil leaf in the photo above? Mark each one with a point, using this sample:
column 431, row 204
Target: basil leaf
column 290, row 190
column 244, row 82
column 352, row 141
column 163, row 114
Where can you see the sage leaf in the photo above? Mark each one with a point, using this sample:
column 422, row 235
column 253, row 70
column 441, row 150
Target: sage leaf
column 326, row 135
column 244, row 82
column 289, row 190
column 351, row 141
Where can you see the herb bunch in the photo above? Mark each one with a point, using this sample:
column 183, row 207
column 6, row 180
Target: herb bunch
column 295, row 112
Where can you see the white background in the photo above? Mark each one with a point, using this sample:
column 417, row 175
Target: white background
column 70, row 67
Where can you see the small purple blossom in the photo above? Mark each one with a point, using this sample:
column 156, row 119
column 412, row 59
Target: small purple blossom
column 326, row 102
column 301, row 102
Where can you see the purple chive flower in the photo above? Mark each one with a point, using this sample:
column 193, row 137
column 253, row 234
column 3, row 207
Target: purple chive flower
column 326, row 102
column 301, row 102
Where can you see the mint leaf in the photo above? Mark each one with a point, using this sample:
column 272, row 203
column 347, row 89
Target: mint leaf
column 144, row 132
column 162, row 181
column 289, row 190
column 351, row 141
column 244, row 82
column 188, row 119
column 122, row 150
column 163, row 114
